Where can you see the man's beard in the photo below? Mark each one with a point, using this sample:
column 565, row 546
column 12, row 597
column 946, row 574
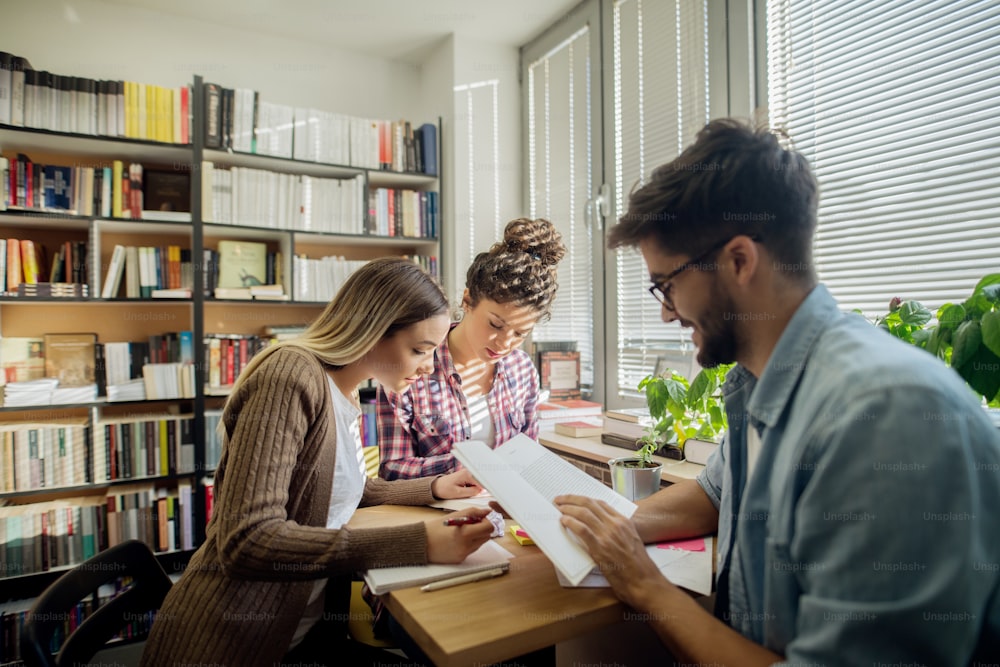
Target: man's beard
column 718, row 330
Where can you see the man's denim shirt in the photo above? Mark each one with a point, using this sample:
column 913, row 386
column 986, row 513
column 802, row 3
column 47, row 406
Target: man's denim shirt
column 868, row 532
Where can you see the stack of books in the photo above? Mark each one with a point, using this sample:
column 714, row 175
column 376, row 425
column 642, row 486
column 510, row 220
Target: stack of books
column 53, row 290
column 624, row 426
column 553, row 411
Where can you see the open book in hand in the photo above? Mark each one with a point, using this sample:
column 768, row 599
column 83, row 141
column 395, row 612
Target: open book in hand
column 524, row 477
column 487, row 557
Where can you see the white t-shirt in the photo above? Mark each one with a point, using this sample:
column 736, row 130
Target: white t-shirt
column 481, row 421
column 348, row 487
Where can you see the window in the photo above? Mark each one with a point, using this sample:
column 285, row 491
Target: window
column 562, row 124
column 661, row 92
column 894, row 104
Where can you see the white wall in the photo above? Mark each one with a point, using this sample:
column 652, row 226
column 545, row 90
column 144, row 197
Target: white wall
column 116, row 41
column 491, row 173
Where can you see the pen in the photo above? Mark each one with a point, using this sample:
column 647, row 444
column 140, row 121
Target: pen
column 464, row 579
column 462, row 520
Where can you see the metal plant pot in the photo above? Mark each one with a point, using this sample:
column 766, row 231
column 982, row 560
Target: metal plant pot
column 633, row 482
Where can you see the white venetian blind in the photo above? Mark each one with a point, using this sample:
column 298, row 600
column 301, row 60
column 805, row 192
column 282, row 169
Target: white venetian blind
column 660, row 103
column 895, row 105
column 559, row 183
column 477, row 176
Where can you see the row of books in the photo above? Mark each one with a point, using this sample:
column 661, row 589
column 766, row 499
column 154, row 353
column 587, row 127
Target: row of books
column 260, row 198
column 397, row 212
column 44, row 455
column 14, row 613
column 26, row 262
column 144, row 446
column 62, row 533
column 228, row 355
column 61, row 103
column 148, row 272
column 240, row 120
column 73, row 451
column 113, row 190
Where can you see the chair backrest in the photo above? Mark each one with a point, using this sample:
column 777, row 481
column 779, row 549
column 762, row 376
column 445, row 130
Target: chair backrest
column 149, row 586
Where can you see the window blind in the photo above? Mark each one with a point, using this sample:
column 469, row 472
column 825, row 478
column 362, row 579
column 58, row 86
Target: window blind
column 894, row 104
column 560, row 178
column 661, row 101
column 477, row 176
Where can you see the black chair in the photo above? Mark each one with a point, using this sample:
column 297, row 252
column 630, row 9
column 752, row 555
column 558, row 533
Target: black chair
column 149, row 586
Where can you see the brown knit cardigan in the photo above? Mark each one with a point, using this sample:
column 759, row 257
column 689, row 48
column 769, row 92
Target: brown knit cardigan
column 244, row 591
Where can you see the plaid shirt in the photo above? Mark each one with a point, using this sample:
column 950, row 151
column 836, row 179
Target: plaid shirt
column 417, row 428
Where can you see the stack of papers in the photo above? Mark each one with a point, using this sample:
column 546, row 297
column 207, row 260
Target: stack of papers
column 30, row 392
column 685, row 563
column 84, row 394
column 133, row 390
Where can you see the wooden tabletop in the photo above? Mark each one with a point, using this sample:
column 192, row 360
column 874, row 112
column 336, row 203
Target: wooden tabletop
column 495, row 619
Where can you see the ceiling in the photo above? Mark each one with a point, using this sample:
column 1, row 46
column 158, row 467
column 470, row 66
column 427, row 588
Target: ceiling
column 404, row 30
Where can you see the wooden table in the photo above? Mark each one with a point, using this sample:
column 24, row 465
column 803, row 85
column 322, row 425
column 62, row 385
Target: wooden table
column 495, row 619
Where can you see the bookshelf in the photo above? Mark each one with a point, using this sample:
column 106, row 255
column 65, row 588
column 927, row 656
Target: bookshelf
column 136, row 318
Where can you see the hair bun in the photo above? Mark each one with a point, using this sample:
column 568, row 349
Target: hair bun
column 538, row 238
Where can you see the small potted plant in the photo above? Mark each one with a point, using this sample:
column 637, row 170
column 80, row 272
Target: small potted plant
column 681, row 412
column 686, row 413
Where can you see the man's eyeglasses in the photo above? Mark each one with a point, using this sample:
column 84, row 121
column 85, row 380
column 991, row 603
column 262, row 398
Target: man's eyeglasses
column 661, row 290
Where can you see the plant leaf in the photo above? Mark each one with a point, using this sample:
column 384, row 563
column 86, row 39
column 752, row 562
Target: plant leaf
column 700, row 387
column 656, row 398
column 951, row 315
column 914, row 313
column 992, row 292
column 982, row 372
column 991, row 331
column 986, row 281
column 965, row 343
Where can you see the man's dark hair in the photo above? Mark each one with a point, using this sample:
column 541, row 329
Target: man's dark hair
column 734, row 179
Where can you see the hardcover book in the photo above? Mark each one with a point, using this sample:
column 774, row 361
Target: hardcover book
column 70, row 358
column 242, row 264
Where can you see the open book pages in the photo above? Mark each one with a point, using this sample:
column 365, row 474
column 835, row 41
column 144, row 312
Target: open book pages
column 487, row 557
column 691, row 570
column 524, row 477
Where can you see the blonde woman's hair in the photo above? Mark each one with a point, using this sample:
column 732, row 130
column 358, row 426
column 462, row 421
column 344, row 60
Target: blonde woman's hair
column 381, row 298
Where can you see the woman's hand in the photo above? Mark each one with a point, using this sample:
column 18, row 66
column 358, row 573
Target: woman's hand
column 451, row 544
column 459, row 484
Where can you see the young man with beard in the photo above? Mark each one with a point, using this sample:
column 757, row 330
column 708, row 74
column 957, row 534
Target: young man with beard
column 853, row 493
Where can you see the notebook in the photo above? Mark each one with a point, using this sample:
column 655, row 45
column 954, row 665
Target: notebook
column 487, row 557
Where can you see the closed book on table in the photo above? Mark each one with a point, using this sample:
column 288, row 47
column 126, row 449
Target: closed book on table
column 568, row 410
column 487, row 557
column 581, row 428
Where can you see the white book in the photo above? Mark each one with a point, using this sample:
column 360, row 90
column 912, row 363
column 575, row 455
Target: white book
column 114, row 278
column 487, row 557
column 6, row 81
column 524, row 477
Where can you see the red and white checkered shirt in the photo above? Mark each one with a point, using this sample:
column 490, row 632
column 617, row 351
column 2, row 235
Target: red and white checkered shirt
column 417, row 428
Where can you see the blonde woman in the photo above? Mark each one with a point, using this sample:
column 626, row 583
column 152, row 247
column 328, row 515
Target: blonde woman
column 271, row 583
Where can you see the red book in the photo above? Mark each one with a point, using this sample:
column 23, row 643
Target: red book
column 230, row 363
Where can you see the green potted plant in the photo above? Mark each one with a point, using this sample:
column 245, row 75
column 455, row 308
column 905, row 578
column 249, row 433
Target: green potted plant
column 685, row 413
column 682, row 412
column 966, row 335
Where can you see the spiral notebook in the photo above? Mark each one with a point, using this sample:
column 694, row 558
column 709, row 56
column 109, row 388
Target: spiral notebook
column 487, row 557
